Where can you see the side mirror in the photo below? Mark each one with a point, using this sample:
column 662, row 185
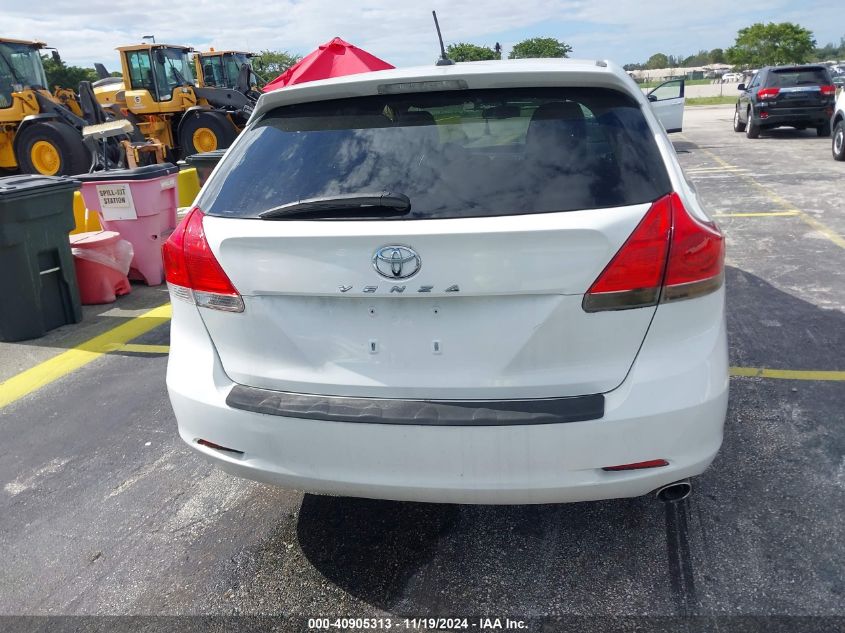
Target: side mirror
column 651, row 97
column 741, row 87
column 56, row 57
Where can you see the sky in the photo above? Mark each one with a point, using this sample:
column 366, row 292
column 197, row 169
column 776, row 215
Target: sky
column 402, row 32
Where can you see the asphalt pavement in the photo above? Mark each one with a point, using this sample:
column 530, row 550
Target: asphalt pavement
column 103, row 511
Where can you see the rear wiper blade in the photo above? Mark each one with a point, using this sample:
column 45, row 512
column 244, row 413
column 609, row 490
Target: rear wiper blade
column 396, row 203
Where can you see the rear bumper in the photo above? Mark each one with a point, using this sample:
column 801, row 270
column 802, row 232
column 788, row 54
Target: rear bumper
column 672, row 405
column 811, row 117
column 417, row 412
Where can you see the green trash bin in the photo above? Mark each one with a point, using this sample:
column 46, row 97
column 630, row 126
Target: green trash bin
column 205, row 163
column 37, row 275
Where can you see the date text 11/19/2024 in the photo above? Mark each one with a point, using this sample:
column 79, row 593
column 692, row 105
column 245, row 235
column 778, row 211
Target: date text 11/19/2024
column 416, row 624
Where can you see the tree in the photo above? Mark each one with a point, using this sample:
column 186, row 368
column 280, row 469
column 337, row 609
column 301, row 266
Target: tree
column 716, row 56
column 701, row 58
column 64, row 76
column 269, row 64
column 540, row 47
column 764, row 44
column 463, row 52
column 831, row 51
column 658, row 60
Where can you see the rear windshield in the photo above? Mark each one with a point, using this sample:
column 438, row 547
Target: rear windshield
column 789, row 77
column 465, row 153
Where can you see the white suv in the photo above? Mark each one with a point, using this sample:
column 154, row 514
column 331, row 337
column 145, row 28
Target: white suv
column 478, row 283
column 837, row 124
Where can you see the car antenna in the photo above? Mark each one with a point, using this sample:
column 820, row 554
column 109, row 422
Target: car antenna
column 444, row 58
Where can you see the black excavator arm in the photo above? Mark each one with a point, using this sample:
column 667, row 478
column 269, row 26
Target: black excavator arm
column 48, row 106
column 227, row 99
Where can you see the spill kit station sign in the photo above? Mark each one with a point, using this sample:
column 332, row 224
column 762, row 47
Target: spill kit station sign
column 116, row 201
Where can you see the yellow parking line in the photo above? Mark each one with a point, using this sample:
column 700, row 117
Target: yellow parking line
column 822, row 228
column 117, row 339
column 44, row 373
column 829, row 233
column 715, row 170
column 788, row 374
column 139, row 348
column 766, row 214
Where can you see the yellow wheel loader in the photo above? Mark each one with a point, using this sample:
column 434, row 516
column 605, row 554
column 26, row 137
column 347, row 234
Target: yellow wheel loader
column 228, row 69
column 40, row 133
column 161, row 97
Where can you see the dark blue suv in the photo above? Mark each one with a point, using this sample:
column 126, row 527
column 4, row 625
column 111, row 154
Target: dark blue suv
column 795, row 96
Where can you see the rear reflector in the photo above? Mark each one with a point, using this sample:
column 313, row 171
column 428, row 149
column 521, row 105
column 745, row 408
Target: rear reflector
column 654, row 463
column 192, row 272
column 217, row 447
column 670, row 256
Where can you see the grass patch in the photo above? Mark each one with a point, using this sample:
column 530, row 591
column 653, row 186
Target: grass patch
column 700, row 101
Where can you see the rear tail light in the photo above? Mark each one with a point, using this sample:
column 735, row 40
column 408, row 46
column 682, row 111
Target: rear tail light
column 670, row 256
column 633, row 277
column 828, row 91
column 192, row 272
column 767, row 93
column 696, row 263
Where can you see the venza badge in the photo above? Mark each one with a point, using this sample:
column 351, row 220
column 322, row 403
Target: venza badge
column 396, row 261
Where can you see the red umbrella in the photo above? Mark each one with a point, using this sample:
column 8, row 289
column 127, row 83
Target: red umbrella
column 332, row 59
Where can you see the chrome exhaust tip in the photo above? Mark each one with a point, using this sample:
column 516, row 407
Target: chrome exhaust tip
column 674, row 492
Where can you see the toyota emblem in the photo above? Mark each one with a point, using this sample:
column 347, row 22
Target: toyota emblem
column 396, row 261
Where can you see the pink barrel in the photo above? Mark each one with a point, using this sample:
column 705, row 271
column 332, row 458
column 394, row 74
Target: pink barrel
column 140, row 204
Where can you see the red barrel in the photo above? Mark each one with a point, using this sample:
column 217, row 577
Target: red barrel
column 102, row 260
